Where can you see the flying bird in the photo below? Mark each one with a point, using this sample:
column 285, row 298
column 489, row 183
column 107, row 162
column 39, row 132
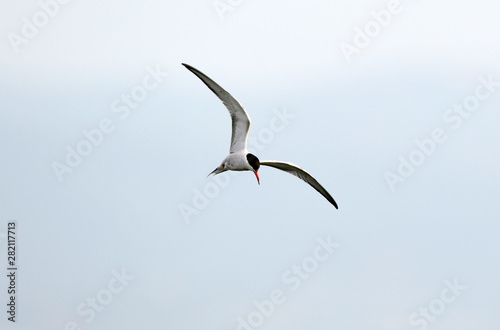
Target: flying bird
column 239, row 159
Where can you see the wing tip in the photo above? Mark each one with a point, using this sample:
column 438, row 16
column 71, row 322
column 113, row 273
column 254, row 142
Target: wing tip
column 187, row 66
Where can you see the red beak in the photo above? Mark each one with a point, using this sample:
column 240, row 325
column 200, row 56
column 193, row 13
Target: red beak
column 257, row 176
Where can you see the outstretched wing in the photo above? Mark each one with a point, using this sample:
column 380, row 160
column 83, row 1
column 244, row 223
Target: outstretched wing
column 239, row 117
column 301, row 174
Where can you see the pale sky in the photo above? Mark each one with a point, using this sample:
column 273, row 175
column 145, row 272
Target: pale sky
column 106, row 142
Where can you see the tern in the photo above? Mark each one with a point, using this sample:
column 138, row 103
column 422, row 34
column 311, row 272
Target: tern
column 239, row 159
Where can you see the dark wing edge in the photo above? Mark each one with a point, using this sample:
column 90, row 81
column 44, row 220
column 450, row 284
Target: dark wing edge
column 240, row 121
column 303, row 175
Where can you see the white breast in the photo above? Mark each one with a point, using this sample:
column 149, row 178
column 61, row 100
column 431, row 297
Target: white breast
column 237, row 161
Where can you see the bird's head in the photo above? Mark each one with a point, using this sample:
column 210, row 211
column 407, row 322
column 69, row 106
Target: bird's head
column 255, row 164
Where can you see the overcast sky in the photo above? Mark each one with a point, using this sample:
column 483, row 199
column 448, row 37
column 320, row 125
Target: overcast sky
column 106, row 141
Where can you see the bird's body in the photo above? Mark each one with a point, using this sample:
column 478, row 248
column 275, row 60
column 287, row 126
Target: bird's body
column 239, row 159
column 236, row 161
